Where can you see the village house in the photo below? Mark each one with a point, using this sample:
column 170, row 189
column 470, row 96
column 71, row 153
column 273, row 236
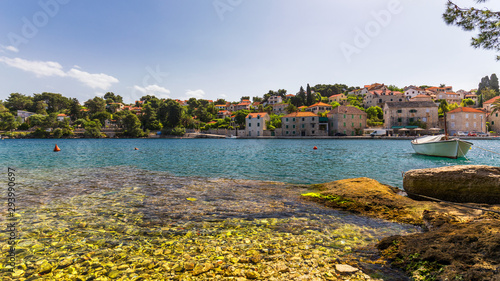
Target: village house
column 368, row 88
column 220, row 107
column 223, row 114
column 348, row 120
column 413, row 91
column 302, row 124
column 280, row 108
column 274, row 100
column 437, row 90
column 61, row 117
column 256, row 124
column 24, row 115
column 255, row 105
column 400, row 114
column 421, row 98
column 340, row 98
column 471, row 96
column 319, row 107
column 494, row 120
column 379, row 98
column 487, row 105
column 244, row 104
column 115, row 106
column 450, row 97
column 466, row 119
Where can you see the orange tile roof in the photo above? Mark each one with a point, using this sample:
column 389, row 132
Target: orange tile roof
column 254, row 115
column 301, row 114
column 62, row 115
column 319, row 104
column 335, row 95
column 492, row 100
column 466, row 109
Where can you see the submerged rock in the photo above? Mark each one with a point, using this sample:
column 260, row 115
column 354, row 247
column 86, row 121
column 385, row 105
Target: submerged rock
column 464, row 184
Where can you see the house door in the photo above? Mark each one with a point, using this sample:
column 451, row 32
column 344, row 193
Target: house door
column 303, row 133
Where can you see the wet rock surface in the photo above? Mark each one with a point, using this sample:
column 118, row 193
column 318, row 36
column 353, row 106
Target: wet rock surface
column 461, row 183
column 462, row 242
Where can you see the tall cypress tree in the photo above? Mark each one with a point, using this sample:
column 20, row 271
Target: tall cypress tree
column 309, row 100
column 494, row 82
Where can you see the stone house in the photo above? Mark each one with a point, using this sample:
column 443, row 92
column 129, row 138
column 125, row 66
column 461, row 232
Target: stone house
column 340, row 98
column 274, row 100
column 319, row 107
column 280, row 108
column 24, row 115
column 466, row 119
column 302, row 124
column 379, row 98
column 450, row 97
column 256, row 124
column 494, row 120
column 487, row 105
column 347, row 120
column 400, row 114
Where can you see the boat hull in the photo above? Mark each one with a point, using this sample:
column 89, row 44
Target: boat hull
column 448, row 148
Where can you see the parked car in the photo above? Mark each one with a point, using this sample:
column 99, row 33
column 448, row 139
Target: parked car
column 462, row 134
column 472, row 134
column 379, row 132
column 481, row 134
column 340, row 135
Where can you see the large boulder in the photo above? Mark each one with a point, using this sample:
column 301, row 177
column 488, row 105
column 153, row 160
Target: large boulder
column 464, row 184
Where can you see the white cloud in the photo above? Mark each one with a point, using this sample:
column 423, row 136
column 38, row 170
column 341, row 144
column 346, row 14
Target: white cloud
column 198, row 94
column 155, row 90
column 49, row 68
column 39, row 68
column 94, row 81
column 8, row 48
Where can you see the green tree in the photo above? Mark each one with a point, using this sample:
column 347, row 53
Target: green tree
column 102, row 116
column 18, row 101
column 485, row 21
column 291, row 108
column 113, row 97
column 170, row 113
column 149, row 119
column 75, row 109
column 220, row 101
column 132, row 126
column 95, row 105
column 92, row 129
column 395, row 89
column 443, row 107
column 240, row 117
column 58, row 133
column 55, row 102
column 8, row 121
column 375, row 113
column 466, row 102
column 40, row 107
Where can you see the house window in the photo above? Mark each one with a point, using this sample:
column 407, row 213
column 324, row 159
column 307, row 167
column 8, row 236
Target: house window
column 294, row 132
column 303, row 126
column 249, row 124
column 427, row 110
column 453, row 124
column 258, row 116
column 360, row 125
column 360, row 116
column 411, row 120
column 413, row 111
column 344, row 124
column 313, row 125
column 474, row 116
column 293, row 119
column 492, row 122
column 312, row 132
column 452, row 116
column 424, row 119
column 313, row 119
column 286, row 119
column 287, row 127
column 352, row 124
column 294, row 127
column 287, row 132
column 249, row 116
column 467, row 124
column 400, row 120
column 344, row 116
column 400, row 111
column 345, row 132
column 303, row 119
column 467, row 115
column 258, row 124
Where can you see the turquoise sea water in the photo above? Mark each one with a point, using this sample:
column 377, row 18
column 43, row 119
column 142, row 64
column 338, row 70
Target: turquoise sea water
column 290, row 161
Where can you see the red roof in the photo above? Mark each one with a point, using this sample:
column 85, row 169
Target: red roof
column 492, row 100
column 466, row 109
column 254, row 115
column 301, row 114
column 319, row 104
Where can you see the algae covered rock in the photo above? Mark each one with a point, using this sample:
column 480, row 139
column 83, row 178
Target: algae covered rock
column 461, row 183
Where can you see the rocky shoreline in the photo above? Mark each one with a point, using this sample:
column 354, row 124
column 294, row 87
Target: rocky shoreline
column 459, row 242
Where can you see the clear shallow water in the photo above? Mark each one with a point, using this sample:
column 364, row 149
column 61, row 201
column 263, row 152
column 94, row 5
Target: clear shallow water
column 291, row 161
column 100, row 208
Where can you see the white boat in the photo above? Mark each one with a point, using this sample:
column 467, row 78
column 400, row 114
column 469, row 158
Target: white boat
column 441, row 146
column 232, row 137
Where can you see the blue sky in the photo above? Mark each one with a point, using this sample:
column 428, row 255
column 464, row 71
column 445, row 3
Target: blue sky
column 230, row 48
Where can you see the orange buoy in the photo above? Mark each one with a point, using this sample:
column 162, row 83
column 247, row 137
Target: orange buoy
column 135, row 148
column 315, row 148
column 56, row 149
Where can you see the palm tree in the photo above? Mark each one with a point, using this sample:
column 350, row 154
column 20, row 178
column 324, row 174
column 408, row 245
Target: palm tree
column 496, row 106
